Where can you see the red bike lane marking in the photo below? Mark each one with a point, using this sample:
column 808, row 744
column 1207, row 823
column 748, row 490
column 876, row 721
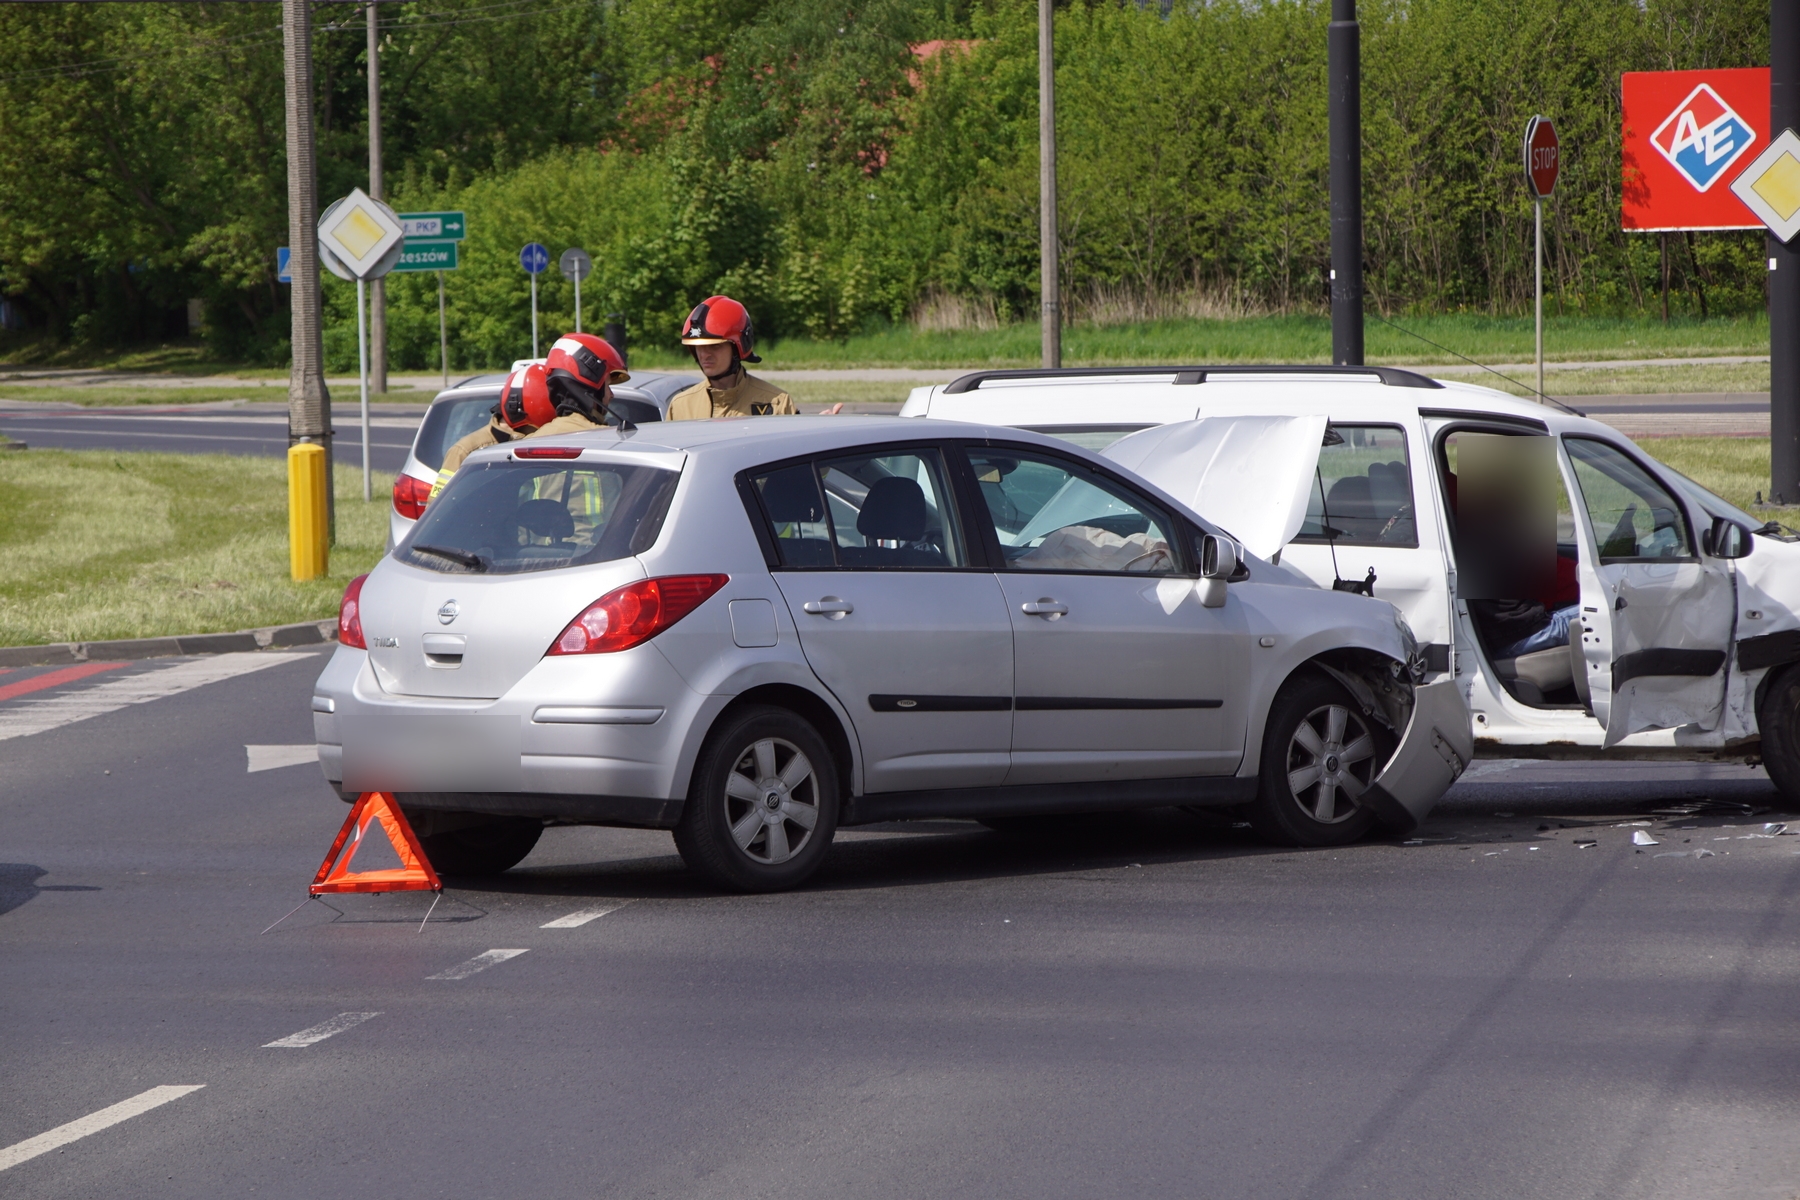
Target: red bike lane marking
column 51, row 679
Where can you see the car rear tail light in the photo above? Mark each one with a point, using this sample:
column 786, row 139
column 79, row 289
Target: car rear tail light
column 547, row 452
column 635, row 613
column 410, row 495
column 350, row 616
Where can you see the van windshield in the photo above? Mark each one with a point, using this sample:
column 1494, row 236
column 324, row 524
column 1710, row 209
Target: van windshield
column 506, row 517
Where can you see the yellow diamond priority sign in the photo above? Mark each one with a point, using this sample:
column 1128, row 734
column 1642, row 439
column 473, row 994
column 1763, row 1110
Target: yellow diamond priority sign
column 362, row 235
column 1770, row 186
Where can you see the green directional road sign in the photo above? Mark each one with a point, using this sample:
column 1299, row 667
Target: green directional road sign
column 438, row 226
column 427, row 256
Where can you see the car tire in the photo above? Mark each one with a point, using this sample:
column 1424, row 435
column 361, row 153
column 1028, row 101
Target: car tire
column 1309, row 778
column 763, row 805
column 485, row 849
column 1778, row 720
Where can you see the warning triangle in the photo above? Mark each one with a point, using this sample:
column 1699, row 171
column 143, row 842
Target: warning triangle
column 375, row 815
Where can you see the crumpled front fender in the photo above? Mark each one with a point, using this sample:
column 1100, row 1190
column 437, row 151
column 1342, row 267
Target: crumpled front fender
column 1437, row 746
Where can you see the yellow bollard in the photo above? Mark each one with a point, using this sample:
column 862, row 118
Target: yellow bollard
column 308, row 523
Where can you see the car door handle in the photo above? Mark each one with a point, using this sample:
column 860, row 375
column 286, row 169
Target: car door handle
column 829, row 606
column 1044, row 607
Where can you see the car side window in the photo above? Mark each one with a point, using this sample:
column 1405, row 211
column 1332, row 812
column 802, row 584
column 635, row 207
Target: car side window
column 1633, row 516
column 884, row 510
column 1050, row 515
column 1362, row 493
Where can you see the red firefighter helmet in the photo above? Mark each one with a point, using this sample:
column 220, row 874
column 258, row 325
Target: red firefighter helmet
column 587, row 360
column 721, row 319
column 525, row 400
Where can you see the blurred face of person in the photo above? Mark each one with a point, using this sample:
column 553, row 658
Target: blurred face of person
column 715, row 360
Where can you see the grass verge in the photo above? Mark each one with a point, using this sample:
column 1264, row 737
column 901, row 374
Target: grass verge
column 126, row 395
column 99, row 544
column 1736, row 468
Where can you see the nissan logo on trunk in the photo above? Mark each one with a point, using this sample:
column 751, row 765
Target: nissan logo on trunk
column 448, row 613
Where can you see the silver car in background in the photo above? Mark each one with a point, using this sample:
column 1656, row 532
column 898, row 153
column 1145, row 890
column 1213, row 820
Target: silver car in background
column 459, row 411
column 751, row 632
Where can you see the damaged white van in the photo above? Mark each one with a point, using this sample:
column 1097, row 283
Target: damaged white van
column 1583, row 593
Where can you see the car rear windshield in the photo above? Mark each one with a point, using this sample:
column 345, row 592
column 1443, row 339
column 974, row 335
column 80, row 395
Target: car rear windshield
column 506, row 517
column 448, row 422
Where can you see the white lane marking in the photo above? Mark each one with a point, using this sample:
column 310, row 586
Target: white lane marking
column 269, row 758
column 75, row 1130
column 53, row 712
column 318, row 1033
column 480, row 962
column 576, row 919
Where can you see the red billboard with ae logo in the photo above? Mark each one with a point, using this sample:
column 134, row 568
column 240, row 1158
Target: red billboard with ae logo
column 1687, row 135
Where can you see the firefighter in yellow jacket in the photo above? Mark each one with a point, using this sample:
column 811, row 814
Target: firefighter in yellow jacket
column 720, row 336
column 523, row 407
column 582, row 369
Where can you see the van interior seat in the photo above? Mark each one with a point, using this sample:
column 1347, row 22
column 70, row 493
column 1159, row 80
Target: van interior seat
column 1534, row 676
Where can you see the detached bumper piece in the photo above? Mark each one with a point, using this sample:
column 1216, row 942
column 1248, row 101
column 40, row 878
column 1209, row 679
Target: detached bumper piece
column 1437, row 747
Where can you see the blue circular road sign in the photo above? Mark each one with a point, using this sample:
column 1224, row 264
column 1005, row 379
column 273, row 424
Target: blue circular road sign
column 534, row 258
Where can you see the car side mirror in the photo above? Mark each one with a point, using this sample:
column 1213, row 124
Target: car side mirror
column 1727, row 539
column 1220, row 559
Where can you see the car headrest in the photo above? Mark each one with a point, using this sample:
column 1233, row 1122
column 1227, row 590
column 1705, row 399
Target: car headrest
column 546, row 519
column 893, row 512
column 793, row 496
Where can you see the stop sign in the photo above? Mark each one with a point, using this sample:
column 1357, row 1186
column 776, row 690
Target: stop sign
column 1543, row 157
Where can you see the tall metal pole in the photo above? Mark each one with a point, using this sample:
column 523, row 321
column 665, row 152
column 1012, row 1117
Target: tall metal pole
column 1784, row 270
column 378, row 289
column 534, row 337
column 578, row 302
column 1344, row 65
column 1538, row 272
column 1049, row 268
column 309, row 400
column 443, row 333
column 362, row 353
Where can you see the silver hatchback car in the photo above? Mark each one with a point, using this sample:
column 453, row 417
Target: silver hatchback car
column 752, row 632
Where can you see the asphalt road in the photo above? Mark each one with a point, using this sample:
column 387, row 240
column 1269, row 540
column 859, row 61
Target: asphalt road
column 204, row 429
column 1142, row 1007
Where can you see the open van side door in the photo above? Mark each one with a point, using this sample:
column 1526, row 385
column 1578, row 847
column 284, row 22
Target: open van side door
column 1656, row 614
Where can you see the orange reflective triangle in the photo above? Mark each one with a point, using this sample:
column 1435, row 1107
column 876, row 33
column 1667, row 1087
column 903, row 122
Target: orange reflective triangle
column 373, row 809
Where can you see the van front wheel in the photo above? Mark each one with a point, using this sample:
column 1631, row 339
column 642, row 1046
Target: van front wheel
column 1778, row 718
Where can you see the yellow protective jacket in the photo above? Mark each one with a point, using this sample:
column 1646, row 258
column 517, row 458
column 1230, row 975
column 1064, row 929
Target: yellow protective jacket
column 748, row 397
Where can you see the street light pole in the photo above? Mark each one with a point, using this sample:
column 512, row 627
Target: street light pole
column 1344, row 65
column 378, row 290
column 1784, row 270
column 1049, row 268
column 309, row 401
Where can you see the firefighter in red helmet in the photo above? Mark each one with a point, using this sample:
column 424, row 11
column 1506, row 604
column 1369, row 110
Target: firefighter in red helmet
column 582, row 370
column 524, row 408
column 719, row 334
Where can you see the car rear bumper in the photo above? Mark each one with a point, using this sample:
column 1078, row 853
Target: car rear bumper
column 552, row 747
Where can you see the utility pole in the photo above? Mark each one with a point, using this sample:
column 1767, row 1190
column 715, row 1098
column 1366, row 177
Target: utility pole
column 1049, row 267
column 378, row 288
column 309, row 401
column 1784, row 270
column 1344, row 67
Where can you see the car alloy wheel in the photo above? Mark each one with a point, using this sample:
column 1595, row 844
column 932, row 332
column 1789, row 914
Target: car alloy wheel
column 762, row 805
column 1330, row 763
column 772, row 801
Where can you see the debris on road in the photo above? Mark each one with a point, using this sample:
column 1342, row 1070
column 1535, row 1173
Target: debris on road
column 1640, row 838
column 1586, row 843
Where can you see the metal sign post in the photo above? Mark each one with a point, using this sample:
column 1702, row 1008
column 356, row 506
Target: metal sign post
column 576, row 265
column 1343, row 69
column 534, row 258
column 431, row 246
column 1049, row 265
column 1543, row 162
column 361, row 239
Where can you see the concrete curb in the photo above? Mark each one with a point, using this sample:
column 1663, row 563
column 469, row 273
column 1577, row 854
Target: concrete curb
column 306, row 633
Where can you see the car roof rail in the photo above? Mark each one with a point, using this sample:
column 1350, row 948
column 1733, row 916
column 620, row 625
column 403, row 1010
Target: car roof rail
column 1391, row 376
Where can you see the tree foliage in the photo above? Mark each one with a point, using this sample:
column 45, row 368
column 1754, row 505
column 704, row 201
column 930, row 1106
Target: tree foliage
column 836, row 162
